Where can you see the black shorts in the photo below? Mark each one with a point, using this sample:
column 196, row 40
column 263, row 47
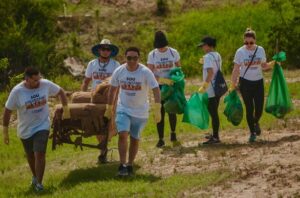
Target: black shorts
column 37, row 142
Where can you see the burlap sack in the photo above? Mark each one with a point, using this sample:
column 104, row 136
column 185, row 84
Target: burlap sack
column 100, row 94
column 81, row 97
column 84, row 116
column 87, row 117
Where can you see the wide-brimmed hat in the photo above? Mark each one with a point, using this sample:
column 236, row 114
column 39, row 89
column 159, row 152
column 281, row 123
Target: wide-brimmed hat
column 105, row 43
column 207, row 40
column 160, row 40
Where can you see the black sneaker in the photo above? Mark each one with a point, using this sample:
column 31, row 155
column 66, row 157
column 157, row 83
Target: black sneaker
column 212, row 140
column 160, row 143
column 102, row 158
column 252, row 138
column 123, row 171
column 257, row 129
column 130, row 170
column 173, row 137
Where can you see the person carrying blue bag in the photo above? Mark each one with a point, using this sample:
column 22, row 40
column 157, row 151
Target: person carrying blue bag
column 214, row 84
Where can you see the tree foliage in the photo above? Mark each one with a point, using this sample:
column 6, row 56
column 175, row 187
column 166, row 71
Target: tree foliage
column 286, row 32
column 28, row 34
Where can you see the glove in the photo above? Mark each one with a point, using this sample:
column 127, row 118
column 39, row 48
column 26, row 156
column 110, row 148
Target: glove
column 66, row 112
column 232, row 87
column 271, row 64
column 5, row 135
column 156, row 110
column 201, row 61
column 203, row 88
column 165, row 81
column 108, row 111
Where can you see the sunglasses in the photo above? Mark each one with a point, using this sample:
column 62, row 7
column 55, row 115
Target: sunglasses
column 248, row 43
column 132, row 58
column 105, row 49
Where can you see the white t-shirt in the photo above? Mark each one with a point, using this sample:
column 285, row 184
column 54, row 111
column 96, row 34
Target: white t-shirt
column 243, row 57
column 134, row 86
column 99, row 71
column 32, row 107
column 163, row 62
column 211, row 60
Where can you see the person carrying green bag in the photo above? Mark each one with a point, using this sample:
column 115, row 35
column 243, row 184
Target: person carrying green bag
column 161, row 60
column 212, row 63
column 279, row 102
column 249, row 61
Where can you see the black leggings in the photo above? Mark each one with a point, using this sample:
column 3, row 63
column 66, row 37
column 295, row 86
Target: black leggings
column 213, row 105
column 253, row 96
column 160, row 126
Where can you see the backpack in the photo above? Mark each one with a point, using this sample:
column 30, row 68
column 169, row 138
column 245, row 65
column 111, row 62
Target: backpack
column 219, row 85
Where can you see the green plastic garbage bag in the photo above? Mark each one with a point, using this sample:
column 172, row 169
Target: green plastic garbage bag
column 196, row 111
column 166, row 91
column 234, row 108
column 279, row 102
column 174, row 100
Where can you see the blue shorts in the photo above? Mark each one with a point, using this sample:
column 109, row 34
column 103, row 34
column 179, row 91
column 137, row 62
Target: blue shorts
column 133, row 125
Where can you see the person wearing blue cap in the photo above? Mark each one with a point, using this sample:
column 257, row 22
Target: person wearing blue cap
column 98, row 70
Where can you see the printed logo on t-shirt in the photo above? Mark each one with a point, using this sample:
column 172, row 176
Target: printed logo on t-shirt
column 36, row 101
column 164, row 64
column 101, row 75
column 131, row 84
column 256, row 61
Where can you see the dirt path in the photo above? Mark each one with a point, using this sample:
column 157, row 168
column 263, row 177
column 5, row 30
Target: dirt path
column 268, row 168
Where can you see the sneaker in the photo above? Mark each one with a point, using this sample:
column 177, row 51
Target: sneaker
column 33, row 181
column 102, row 158
column 39, row 187
column 160, row 143
column 257, row 129
column 123, row 171
column 130, row 170
column 252, row 138
column 173, row 137
column 212, row 140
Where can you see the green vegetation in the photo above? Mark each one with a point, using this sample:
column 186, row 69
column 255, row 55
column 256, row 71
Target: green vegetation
column 67, row 82
column 28, row 35
column 188, row 29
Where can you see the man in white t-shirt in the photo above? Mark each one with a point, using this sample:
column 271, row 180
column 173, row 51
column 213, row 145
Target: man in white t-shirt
column 161, row 60
column 134, row 81
column 98, row 70
column 103, row 66
column 30, row 99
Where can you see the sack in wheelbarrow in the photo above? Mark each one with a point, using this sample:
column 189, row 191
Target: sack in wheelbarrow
column 87, row 117
column 81, row 97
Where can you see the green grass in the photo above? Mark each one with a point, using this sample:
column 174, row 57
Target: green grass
column 72, row 173
column 67, row 82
